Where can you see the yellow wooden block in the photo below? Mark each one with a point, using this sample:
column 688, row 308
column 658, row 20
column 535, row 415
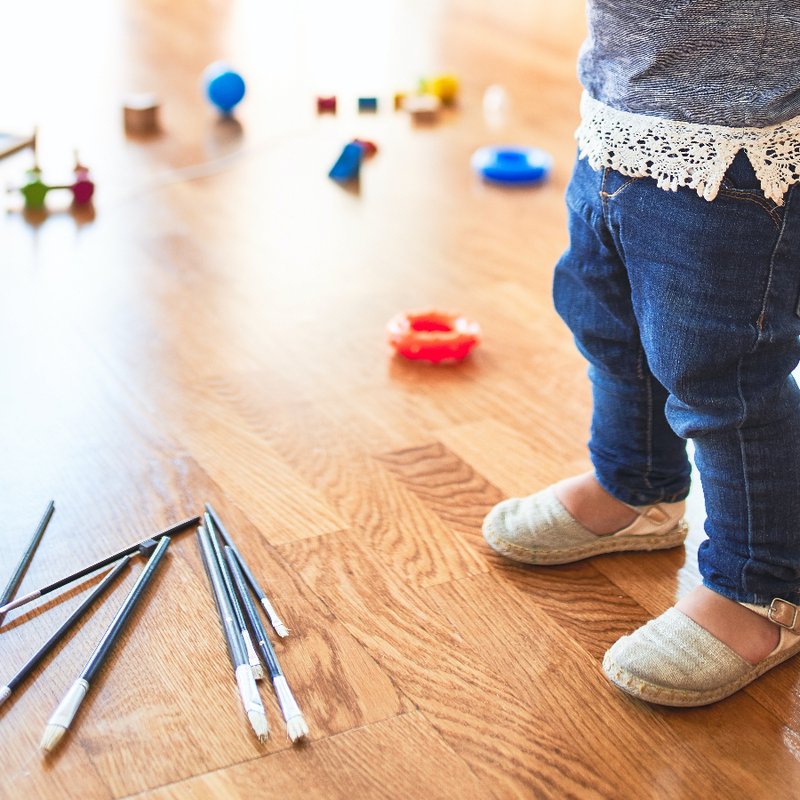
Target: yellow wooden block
column 444, row 86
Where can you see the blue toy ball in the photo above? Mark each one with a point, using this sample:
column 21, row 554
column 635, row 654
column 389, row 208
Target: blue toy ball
column 512, row 165
column 224, row 87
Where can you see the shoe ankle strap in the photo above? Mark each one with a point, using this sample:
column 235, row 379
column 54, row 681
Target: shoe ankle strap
column 779, row 611
column 784, row 613
column 660, row 512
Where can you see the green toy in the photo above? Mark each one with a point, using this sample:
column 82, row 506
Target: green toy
column 35, row 190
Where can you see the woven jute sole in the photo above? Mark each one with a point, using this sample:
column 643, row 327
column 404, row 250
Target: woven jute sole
column 685, row 698
column 604, row 544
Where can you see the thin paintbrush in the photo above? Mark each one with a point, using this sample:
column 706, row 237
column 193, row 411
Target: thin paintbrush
column 274, row 619
column 248, row 690
column 66, row 626
column 11, row 587
column 60, row 721
column 134, row 549
column 252, row 655
column 296, row 726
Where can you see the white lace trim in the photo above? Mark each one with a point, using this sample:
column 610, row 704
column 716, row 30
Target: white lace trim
column 685, row 153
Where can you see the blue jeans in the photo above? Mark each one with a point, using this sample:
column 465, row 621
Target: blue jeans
column 687, row 311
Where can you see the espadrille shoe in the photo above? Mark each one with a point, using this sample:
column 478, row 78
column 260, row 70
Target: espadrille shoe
column 673, row 661
column 538, row 530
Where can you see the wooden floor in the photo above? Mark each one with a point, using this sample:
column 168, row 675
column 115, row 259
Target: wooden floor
column 214, row 331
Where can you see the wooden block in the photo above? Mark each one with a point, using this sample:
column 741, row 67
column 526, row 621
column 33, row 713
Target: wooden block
column 423, row 108
column 140, row 113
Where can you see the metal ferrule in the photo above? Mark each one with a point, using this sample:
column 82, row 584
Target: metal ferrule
column 286, row 699
column 248, row 689
column 20, row 601
column 68, row 707
column 252, row 656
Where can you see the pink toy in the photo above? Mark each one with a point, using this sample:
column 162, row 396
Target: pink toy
column 83, row 188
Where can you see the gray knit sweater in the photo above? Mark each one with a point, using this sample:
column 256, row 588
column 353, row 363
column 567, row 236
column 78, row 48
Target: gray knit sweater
column 674, row 89
column 723, row 62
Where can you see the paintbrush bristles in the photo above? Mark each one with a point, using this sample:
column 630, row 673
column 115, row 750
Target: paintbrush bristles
column 258, row 721
column 251, row 701
column 52, row 735
column 5, row 693
column 274, row 619
column 63, row 715
column 281, row 630
column 296, row 726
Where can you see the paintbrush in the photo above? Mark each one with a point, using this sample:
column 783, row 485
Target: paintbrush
column 274, row 619
column 140, row 548
column 64, row 628
column 296, row 726
column 15, row 579
column 252, row 656
column 59, row 722
column 248, row 690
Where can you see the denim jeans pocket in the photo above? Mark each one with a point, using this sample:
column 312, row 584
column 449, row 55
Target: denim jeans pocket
column 740, row 183
column 614, row 183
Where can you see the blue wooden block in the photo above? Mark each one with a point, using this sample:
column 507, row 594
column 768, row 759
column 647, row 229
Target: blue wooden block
column 348, row 164
column 367, row 103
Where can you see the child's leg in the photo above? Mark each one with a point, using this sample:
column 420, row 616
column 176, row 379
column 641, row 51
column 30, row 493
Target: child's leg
column 715, row 290
column 637, row 457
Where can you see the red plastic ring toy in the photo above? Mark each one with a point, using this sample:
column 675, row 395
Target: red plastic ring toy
column 433, row 335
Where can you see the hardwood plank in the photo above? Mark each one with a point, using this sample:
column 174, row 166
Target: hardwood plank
column 359, row 763
column 505, row 457
column 588, row 605
column 513, row 746
column 214, row 329
column 278, row 500
column 169, row 677
column 332, row 459
column 653, row 751
column 448, row 486
column 592, row 600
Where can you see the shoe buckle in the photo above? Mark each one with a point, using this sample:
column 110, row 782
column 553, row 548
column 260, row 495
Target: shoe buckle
column 783, row 613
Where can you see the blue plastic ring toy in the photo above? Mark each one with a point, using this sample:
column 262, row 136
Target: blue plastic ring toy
column 511, row 164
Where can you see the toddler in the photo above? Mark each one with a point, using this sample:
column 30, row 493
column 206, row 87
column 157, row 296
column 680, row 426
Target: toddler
column 681, row 285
